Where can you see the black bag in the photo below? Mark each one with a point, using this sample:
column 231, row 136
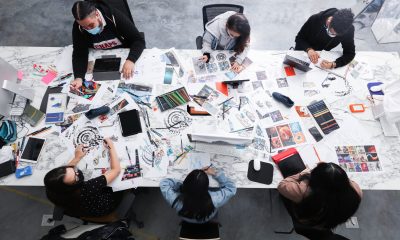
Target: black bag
column 118, row 230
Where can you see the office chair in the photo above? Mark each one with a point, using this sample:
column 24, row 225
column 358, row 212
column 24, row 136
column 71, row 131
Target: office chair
column 209, row 231
column 123, row 211
column 309, row 232
column 213, row 10
column 122, row 6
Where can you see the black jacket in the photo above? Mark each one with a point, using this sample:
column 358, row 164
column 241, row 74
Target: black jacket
column 121, row 33
column 313, row 35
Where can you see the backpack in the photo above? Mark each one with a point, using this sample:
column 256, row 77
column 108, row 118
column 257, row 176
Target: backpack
column 8, row 132
column 118, row 230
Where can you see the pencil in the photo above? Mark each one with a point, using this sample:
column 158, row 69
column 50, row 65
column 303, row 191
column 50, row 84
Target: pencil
column 316, row 153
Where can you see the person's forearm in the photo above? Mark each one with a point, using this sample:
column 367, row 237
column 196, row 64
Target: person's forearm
column 74, row 161
column 114, row 162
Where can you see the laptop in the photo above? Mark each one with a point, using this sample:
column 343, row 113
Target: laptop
column 107, row 68
column 9, row 73
column 297, row 63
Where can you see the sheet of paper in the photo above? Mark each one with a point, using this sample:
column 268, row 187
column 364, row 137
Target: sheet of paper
column 198, row 160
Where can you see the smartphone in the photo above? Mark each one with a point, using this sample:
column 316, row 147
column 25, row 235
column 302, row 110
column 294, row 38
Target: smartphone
column 315, row 133
column 130, row 122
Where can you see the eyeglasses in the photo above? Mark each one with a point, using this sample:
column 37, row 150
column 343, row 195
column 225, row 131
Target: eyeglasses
column 76, row 175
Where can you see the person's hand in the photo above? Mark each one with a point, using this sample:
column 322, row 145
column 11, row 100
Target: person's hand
column 128, row 68
column 76, row 84
column 210, row 171
column 108, row 143
column 80, row 152
column 326, row 64
column 204, row 58
column 236, row 67
column 313, row 55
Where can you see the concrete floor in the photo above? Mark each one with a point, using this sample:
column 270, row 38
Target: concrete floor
column 176, row 24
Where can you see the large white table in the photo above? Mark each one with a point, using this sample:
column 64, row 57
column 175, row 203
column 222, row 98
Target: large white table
column 355, row 129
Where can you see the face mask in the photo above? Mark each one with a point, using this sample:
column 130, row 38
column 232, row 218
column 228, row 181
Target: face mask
column 329, row 33
column 94, row 31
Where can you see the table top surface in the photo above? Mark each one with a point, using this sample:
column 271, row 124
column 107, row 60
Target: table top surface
column 355, row 129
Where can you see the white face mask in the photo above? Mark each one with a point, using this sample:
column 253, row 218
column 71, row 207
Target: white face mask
column 329, row 33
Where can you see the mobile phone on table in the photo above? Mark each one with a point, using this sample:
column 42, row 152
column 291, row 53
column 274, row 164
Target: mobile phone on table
column 315, row 133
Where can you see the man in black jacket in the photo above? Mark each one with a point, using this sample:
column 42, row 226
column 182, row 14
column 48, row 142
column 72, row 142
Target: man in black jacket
column 324, row 31
column 100, row 27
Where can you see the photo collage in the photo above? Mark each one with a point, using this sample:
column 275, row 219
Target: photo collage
column 286, row 135
column 358, row 158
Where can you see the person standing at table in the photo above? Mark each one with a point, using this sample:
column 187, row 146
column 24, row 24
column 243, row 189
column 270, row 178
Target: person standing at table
column 227, row 31
column 67, row 188
column 324, row 31
column 99, row 26
column 321, row 198
column 192, row 198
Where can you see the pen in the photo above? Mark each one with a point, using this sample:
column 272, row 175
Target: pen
column 181, row 145
column 240, row 102
column 152, row 163
column 227, row 100
column 201, row 97
column 59, row 85
column 205, row 169
column 38, row 131
column 22, row 143
column 129, row 156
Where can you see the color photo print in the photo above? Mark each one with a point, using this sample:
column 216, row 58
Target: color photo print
column 286, row 135
column 358, row 158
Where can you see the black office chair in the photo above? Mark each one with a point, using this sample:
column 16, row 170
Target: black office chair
column 307, row 231
column 209, row 231
column 213, row 10
column 122, row 6
column 123, row 211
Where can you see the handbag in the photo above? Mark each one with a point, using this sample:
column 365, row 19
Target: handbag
column 8, row 132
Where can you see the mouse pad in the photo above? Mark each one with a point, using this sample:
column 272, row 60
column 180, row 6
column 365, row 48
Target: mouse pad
column 264, row 175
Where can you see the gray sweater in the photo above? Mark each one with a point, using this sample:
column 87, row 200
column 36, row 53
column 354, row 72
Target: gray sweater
column 216, row 37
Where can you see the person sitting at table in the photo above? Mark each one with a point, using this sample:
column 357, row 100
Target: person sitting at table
column 227, row 31
column 192, row 199
column 321, row 198
column 67, row 188
column 99, row 26
column 324, row 31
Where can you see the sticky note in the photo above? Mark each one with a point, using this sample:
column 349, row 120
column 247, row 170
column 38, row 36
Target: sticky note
column 289, row 71
column 20, row 75
column 222, row 87
column 49, row 77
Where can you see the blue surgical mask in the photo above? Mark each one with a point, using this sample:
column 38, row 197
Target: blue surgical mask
column 94, row 31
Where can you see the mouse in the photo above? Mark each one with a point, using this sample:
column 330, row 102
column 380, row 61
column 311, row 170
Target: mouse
column 257, row 164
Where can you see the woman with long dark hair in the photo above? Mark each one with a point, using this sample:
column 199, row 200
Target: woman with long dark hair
column 322, row 198
column 66, row 188
column 192, row 198
column 227, row 31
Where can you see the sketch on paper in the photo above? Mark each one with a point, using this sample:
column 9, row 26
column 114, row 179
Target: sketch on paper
column 218, row 63
column 177, row 120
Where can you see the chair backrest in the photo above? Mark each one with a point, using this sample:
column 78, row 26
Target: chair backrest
column 209, row 230
column 213, row 10
column 122, row 6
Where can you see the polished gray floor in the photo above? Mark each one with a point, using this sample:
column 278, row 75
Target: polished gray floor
column 176, row 23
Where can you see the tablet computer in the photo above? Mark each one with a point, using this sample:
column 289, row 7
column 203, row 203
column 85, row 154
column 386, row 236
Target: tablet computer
column 32, row 150
column 130, row 122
